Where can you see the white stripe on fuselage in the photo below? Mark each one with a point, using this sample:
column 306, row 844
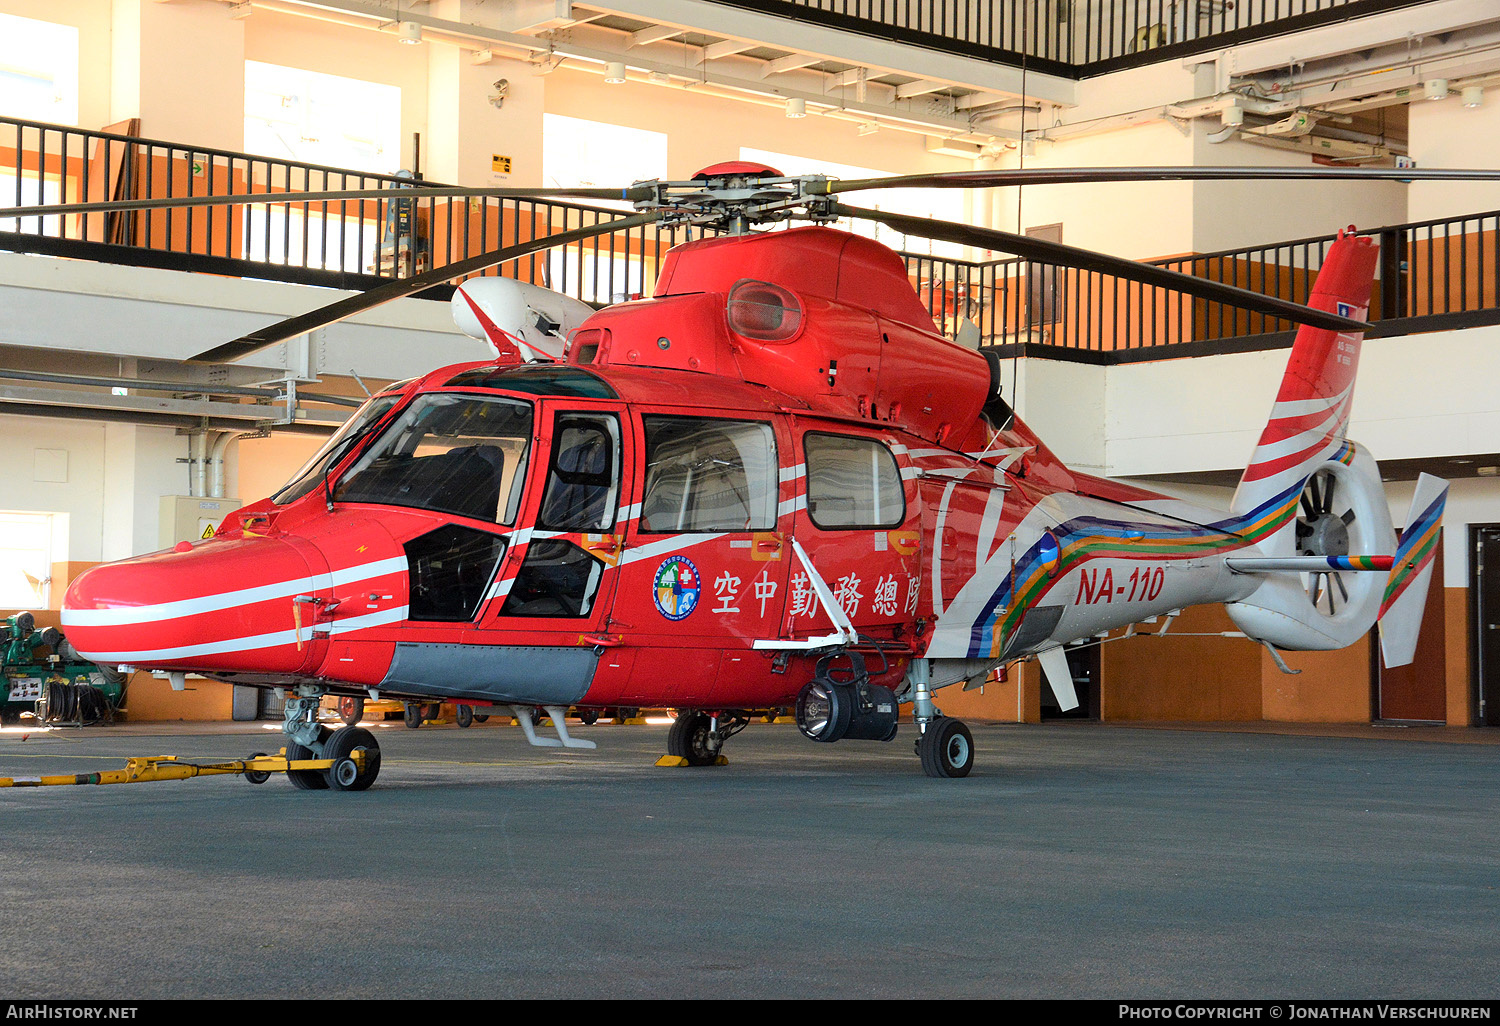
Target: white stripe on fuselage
column 122, row 615
column 275, row 639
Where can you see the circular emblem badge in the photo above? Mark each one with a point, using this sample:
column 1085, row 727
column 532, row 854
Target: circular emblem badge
column 677, row 587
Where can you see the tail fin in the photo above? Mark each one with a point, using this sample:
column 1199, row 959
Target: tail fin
column 1406, row 588
column 1311, row 415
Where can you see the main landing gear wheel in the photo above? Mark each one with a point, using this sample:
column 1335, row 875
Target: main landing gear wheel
column 946, row 748
column 691, row 738
column 351, row 709
column 465, row 715
column 411, row 713
column 345, row 774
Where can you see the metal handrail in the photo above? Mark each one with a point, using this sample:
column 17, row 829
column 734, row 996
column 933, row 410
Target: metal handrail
column 1438, row 268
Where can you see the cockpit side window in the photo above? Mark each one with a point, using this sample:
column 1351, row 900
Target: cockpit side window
column 583, row 481
column 450, row 453
column 705, row 474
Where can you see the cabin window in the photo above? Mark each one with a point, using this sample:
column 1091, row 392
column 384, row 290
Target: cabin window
column 450, row 570
column 583, row 482
column 709, row 475
column 852, row 482
column 459, row 454
column 557, row 578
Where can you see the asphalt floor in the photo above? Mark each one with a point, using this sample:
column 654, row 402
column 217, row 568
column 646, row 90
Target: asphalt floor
column 1076, row 861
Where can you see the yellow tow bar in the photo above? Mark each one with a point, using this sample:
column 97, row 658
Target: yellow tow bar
column 257, row 769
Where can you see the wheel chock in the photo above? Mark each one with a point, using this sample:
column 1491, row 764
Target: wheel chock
column 675, row 761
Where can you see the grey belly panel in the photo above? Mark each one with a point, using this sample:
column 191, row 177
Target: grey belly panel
column 531, row 674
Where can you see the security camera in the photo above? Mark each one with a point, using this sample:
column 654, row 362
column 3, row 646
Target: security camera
column 502, row 87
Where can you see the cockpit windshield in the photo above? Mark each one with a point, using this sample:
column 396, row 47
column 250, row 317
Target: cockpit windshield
column 451, row 453
column 336, row 448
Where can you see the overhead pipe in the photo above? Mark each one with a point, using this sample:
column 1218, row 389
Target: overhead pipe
column 216, row 461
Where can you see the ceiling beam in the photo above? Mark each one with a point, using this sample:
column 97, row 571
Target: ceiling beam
column 920, row 87
column 791, row 62
column 654, row 34
column 724, row 48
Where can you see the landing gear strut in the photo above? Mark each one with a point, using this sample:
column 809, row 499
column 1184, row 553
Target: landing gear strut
column 309, row 739
column 945, row 746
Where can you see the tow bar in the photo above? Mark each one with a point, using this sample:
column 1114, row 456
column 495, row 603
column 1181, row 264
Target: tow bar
column 348, row 771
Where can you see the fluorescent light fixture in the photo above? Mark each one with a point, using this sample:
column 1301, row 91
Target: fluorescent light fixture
column 614, row 72
column 796, row 107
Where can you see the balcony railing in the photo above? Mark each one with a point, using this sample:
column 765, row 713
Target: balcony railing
column 1432, row 275
column 1073, row 38
column 352, row 244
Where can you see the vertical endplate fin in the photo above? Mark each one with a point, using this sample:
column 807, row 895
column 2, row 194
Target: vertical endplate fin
column 1406, row 588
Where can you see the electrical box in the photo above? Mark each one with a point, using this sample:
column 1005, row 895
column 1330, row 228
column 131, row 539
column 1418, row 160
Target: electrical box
column 191, row 517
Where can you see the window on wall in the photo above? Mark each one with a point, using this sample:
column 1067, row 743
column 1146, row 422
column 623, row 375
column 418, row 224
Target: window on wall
column 314, row 118
column 576, row 152
column 580, row 153
column 940, row 204
column 29, row 545
column 38, row 70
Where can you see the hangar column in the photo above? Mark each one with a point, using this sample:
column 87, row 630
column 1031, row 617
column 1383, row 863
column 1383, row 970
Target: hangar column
column 158, row 50
column 466, row 131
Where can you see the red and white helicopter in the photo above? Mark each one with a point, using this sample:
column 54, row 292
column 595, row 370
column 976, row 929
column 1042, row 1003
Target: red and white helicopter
column 772, row 483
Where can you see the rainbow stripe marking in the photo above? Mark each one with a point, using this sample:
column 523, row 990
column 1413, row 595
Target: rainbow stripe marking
column 1086, row 538
column 1418, row 548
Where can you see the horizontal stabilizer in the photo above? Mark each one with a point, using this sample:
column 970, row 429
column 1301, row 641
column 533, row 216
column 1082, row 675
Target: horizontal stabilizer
column 1406, row 590
column 1055, row 666
column 1307, row 564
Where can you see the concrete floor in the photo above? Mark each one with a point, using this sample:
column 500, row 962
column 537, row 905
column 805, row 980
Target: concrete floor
column 1077, row 861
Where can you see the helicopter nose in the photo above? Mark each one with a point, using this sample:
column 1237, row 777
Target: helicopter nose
column 221, row 605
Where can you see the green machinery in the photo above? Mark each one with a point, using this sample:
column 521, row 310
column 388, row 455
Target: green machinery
column 58, row 687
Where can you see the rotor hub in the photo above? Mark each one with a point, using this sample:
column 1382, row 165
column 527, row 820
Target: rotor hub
column 1329, row 536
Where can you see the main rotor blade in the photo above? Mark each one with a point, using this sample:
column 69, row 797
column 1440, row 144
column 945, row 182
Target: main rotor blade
column 1086, row 260
column 1077, row 175
column 334, row 196
column 301, row 324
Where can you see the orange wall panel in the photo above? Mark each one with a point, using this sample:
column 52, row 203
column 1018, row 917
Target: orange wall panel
column 1456, row 612
column 1182, row 678
column 1333, row 687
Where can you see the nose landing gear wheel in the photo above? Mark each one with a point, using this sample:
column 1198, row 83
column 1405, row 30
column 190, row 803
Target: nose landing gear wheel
column 946, row 748
column 345, row 774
